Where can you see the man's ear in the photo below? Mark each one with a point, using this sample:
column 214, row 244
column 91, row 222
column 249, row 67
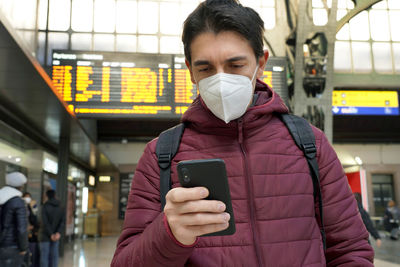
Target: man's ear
column 262, row 61
column 190, row 70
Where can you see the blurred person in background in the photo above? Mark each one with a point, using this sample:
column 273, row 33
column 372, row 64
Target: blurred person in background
column 52, row 223
column 236, row 118
column 33, row 229
column 14, row 222
column 367, row 221
column 391, row 220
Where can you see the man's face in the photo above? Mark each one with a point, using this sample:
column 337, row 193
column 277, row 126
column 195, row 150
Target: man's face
column 226, row 52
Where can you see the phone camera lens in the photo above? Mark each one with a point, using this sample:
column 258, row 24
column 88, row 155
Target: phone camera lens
column 186, row 177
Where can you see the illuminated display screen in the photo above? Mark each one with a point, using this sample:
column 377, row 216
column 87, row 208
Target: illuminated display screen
column 132, row 85
column 365, row 103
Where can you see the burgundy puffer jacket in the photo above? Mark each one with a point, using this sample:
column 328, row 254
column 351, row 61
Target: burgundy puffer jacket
column 272, row 198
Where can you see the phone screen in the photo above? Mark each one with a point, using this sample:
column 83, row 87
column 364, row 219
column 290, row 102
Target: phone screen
column 210, row 173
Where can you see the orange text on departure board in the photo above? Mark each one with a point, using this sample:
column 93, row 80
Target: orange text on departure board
column 267, row 78
column 183, row 87
column 134, row 110
column 83, row 81
column 105, row 85
column 138, row 85
column 62, row 81
column 160, row 82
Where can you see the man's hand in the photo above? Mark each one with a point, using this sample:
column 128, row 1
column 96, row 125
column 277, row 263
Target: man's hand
column 189, row 215
column 378, row 243
column 55, row 237
column 22, row 252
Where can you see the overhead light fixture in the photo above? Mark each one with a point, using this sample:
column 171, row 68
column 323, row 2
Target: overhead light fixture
column 85, row 197
column 92, row 180
column 17, row 159
column 104, row 179
column 358, row 160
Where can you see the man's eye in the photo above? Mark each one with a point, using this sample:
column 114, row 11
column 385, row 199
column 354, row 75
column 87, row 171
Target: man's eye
column 237, row 66
column 203, row 69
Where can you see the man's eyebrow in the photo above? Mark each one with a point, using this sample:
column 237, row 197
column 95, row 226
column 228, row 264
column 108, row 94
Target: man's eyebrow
column 238, row 58
column 201, row 62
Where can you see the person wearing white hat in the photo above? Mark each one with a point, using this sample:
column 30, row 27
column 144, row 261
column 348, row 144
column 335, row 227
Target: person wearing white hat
column 14, row 221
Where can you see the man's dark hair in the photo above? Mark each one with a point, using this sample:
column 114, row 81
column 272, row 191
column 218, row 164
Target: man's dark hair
column 50, row 194
column 26, row 194
column 224, row 15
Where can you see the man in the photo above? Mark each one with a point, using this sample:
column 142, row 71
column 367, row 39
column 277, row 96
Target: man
column 235, row 119
column 14, row 222
column 33, row 228
column 367, row 220
column 53, row 222
column 391, row 220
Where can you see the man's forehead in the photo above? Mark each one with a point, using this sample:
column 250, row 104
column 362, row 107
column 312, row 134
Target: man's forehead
column 222, row 46
column 198, row 62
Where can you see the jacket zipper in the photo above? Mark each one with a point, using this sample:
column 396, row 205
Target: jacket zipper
column 249, row 184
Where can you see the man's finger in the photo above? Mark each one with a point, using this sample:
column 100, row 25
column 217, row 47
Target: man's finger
column 191, row 219
column 181, row 194
column 202, row 206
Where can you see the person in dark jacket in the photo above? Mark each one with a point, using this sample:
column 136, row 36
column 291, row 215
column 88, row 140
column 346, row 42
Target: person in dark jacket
column 53, row 223
column 367, row 221
column 14, row 222
column 236, row 118
column 33, row 230
column 391, row 220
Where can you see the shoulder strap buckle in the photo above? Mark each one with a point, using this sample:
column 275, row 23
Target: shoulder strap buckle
column 309, row 150
column 164, row 160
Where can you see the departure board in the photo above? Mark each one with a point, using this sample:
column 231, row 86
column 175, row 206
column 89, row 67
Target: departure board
column 106, row 84
column 365, row 102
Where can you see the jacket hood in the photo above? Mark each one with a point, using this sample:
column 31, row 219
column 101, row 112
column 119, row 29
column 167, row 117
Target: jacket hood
column 53, row 202
column 268, row 102
column 7, row 193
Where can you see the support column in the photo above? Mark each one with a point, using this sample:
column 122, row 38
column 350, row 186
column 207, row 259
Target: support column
column 314, row 72
column 62, row 173
column 35, row 171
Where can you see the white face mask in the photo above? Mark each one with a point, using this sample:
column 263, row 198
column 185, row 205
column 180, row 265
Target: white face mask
column 227, row 95
column 27, row 200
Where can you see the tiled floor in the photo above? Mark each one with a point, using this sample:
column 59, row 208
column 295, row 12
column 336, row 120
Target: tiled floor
column 388, row 255
column 91, row 252
column 98, row 252
column 381, row 263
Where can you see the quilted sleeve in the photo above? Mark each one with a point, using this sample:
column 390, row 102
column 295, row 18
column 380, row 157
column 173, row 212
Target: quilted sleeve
column 146, row 239
column 346, row 236
column 21, row 224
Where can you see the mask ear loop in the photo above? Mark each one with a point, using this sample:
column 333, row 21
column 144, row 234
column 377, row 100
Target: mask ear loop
column 254, row 74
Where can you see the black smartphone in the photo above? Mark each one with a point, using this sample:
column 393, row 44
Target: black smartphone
column 210, row 173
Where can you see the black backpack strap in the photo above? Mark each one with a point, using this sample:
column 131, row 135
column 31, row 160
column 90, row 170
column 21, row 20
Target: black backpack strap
column 304, row 138
column 166, row 148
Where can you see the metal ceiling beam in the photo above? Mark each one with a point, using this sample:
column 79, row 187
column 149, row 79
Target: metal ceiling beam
column 360, row 5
